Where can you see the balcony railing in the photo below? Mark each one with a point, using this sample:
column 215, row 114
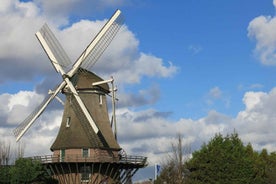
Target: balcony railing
column 126, row 159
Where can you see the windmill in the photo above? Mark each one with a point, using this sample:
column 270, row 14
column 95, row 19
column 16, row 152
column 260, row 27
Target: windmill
column 85, row 149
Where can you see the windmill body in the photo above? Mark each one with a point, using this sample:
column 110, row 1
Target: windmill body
column 75, row 133
column 86, row 149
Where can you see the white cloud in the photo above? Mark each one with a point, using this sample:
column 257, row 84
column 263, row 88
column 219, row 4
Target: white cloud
column 144, row 131
column 151, row 133
column 251, row 99
column 256, row 123
column 59, row 11
column 19, row 47
column 262, row 30
column 122, row 58
column 16, row 106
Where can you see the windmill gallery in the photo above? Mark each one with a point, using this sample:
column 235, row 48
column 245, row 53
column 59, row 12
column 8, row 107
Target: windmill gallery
column 86, row 148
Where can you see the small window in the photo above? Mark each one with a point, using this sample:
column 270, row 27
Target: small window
column 68, row 122
column 85, row 152
column 62, row 155
column 100, row 99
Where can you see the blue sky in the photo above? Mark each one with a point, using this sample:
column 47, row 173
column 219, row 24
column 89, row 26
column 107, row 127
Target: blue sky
column 208, row 41
column 190, row 67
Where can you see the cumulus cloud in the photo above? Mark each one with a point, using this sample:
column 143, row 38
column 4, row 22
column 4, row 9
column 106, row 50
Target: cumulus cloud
column 150, row 132
column 17, row 106
column 261, row 29
column 19, row 50
column 256, row 121
column 19, row 47
column 255, row 124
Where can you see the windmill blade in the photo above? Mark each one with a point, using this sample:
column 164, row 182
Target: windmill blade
column 57, row 54
column 66, row 79
column 26, row 124
column 103, row 43
column 98, row 45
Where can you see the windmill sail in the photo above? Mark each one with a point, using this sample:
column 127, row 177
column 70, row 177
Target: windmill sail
column 54, row 45
column 25, row 125
column 98, row 45
column 103, row 43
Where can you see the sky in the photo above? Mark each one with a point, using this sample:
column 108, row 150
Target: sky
column 193, row 67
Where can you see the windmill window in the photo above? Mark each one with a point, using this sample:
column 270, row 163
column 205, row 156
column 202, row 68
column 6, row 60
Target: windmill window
column 62, row 155
column 85, row 152
column 101, row 99
column 68, row 122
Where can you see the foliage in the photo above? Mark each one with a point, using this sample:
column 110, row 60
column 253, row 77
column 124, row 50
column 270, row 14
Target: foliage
column 5, row 176
column 25, row 171
column 227, row 160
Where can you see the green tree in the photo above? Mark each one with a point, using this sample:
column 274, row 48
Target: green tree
column 5, row 176
column 271, row 168
column 25, row 171
column 29, row 171
column 223, row 160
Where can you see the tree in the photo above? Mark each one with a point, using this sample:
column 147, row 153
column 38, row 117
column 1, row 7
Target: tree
column 266, row 164
column 5, row 176
column 173, row 170
column 28, row 171
column 224, row 160
column 25, row 171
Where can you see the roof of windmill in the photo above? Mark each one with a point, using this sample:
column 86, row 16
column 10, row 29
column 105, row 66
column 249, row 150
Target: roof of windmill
column 79, row 134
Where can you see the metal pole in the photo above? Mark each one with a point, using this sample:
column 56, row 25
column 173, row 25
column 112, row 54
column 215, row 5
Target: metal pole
column 113, row 108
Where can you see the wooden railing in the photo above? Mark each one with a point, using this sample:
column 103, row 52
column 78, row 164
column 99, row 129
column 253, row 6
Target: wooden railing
column 126, row 159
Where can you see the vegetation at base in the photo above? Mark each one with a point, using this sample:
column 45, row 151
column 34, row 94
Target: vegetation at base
column 25, row 171
column 225, row 159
